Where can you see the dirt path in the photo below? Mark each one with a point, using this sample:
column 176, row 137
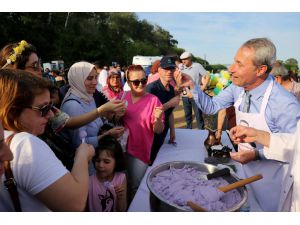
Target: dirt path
column 179, row 117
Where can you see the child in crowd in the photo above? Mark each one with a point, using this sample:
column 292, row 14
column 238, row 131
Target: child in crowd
column 108, row 186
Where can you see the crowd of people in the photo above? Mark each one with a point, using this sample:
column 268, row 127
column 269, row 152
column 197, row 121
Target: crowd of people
column 83, row 140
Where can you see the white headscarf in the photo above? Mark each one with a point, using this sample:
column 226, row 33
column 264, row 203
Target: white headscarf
column 77, row 75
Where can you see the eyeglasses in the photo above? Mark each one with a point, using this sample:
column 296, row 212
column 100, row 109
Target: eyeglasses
column 35, row 67
column 138, row 82
column 44, row 110
column 115, row 78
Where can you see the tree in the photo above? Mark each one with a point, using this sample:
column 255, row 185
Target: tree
column 291, row 64
column 88, row 36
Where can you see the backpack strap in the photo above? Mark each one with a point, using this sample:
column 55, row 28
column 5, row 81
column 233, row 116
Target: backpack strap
column 10, row 182
column 72, row 99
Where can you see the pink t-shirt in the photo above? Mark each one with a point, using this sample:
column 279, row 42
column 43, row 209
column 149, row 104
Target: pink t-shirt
column 139, row 119
column 102, row 195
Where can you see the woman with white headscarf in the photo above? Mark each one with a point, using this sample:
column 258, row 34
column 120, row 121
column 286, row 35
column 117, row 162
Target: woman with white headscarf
column 79, row 99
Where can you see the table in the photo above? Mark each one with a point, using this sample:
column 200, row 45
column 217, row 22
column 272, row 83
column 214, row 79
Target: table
column 189, row 147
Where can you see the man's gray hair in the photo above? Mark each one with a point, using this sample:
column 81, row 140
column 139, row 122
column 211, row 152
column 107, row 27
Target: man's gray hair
column 279, row 70
column 265, row 51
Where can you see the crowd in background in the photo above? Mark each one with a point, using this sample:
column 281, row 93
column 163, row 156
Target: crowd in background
column 82, row 138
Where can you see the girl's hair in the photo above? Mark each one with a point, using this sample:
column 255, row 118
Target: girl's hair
column 110, row 144
column 21, row 59
column 18, row 88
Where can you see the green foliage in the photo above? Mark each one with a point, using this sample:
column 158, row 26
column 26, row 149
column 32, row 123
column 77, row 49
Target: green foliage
column 217, row 68
column 203, row 62
column 291, row 64
column 88, row 36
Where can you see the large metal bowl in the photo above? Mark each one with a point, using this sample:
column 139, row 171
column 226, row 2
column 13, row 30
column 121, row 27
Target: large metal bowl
column 158, row 204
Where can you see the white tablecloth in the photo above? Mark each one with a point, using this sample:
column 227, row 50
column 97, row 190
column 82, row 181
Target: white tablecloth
column 189, row 147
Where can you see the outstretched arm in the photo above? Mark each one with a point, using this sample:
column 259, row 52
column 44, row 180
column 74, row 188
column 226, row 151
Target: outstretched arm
column 104, row 110
column 220, row 123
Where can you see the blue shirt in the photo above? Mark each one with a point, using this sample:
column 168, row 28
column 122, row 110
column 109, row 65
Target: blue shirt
column 282, row 111
column 78, row 107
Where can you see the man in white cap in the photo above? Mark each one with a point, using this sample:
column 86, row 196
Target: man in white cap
column 200, row 77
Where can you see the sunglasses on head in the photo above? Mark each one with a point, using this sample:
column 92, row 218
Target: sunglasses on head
column 138, row 82
column 44, row 110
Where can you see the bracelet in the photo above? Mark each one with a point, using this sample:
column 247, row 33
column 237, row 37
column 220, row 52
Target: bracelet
column 97, row 112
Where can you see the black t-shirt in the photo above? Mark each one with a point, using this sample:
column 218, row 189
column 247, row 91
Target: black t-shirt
column 156, row 88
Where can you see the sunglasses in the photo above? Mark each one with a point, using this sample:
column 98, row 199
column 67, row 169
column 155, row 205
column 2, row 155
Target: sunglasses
column 115, row 78
column 138, row 82
column 44, row 110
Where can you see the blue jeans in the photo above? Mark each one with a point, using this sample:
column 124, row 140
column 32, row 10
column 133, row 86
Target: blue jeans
column 188, row 105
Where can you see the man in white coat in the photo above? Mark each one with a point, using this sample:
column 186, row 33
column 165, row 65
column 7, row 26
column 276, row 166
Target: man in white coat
column 283, row 147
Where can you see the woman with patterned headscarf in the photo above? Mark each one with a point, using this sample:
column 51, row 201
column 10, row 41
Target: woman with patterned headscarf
column 114, row 85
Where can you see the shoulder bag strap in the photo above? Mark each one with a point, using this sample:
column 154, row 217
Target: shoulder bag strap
column 10, row 182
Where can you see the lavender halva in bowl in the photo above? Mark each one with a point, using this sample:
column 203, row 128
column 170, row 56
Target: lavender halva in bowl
column 172, row 184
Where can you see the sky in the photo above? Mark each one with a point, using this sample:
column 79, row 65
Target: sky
column 217, row 36
column 210, row 29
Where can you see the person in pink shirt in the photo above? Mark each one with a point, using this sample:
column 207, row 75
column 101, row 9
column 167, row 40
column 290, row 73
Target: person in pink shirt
column 108, row 186
column 143, row 117
column 153, row 76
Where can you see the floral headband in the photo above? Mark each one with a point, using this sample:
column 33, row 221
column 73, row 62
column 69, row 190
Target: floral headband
column 16, row 52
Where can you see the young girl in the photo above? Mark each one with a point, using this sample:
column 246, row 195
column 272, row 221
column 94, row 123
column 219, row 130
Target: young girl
column 108, row 187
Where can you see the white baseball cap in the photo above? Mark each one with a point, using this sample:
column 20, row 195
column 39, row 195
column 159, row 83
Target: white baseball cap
column 186, row 55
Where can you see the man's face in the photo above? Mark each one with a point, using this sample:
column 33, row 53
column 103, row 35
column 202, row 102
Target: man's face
column 187, row 62
column 166, row 74
column 244, row 72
